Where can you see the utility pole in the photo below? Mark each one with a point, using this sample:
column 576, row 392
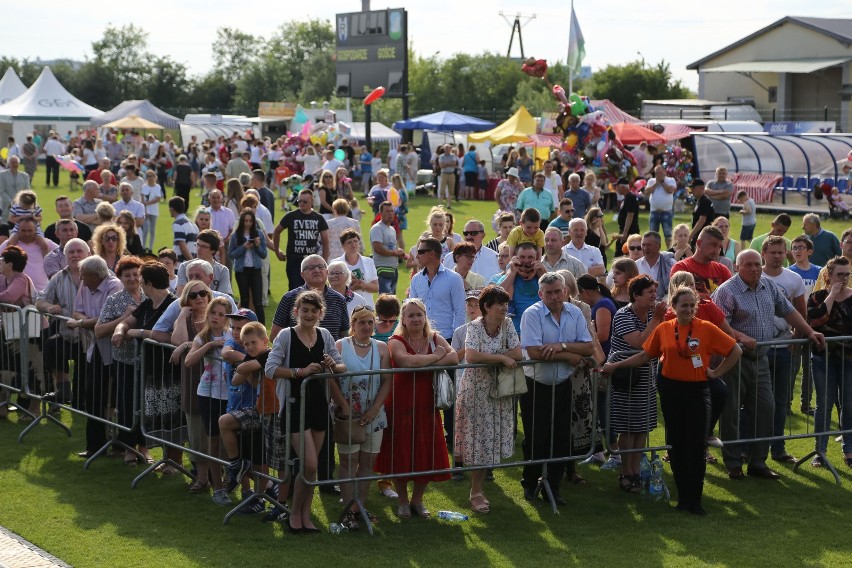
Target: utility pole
column 516, row 27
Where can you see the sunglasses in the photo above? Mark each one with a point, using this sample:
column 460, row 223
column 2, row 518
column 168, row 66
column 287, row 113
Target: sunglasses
column 423, row 251
column 568, row 210
column 362, row 307
column 635, row 248
column 111, row 238
column 194, row 295
column 471, row 233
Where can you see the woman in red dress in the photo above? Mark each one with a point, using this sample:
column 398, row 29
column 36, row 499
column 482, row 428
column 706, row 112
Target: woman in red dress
column 414, row 439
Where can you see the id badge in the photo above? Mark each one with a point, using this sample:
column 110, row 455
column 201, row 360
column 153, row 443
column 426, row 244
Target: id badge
column 696, row 362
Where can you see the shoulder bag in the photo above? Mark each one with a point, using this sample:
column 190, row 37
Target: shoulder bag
column 442, row 384
column 510, row 382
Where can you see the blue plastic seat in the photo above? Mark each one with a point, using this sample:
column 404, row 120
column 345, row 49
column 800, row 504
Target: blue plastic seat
column 801, row 183
column 829, row 181
column 788, row 182
column 843, row 185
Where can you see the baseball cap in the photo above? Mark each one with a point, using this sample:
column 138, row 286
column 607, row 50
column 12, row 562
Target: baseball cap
column 243, row 313
column 472, row 295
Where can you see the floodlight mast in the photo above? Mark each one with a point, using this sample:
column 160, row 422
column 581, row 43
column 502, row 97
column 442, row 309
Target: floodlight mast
column 516, row 27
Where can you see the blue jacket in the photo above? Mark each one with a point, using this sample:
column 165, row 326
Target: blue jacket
column 237, row 252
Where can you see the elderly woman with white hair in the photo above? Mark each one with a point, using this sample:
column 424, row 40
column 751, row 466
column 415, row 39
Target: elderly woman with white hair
column 339, row 279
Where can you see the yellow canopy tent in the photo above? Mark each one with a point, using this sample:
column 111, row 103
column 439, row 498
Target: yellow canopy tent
column 517, row 129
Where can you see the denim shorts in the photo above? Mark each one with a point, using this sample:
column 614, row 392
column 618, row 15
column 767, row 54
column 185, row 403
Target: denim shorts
column 663, row 218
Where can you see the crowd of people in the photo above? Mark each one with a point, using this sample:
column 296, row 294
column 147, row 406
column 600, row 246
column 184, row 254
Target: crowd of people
column 553, row 286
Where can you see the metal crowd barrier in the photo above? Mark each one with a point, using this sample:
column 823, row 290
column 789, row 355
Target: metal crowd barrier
column 58, row 354
column 163, row 392
column 561, row 447
column 14, row 361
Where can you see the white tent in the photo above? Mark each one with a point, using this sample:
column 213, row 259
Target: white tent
column 11, row 86
column 357, row 131
column 45, row 105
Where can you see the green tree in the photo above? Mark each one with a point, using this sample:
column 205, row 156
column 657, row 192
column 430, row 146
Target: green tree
column 234, row 50
column 626, row 85
column 120, row 66
column 298, row 56
column 211, row 93
column 167, row 84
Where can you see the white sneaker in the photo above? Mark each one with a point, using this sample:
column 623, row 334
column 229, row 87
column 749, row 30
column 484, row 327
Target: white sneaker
column 220, row 497
column 611, row 464
column 594, row 459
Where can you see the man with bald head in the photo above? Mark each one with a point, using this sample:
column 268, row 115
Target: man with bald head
column 749, row 301
column 11, row 182
column 485, row 262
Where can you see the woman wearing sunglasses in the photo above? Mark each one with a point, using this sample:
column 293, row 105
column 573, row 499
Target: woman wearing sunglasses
column 684, row 346
column 109, row 242
column 193, row 307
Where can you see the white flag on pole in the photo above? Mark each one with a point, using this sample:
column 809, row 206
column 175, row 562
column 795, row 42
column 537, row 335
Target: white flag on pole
column 576, row 44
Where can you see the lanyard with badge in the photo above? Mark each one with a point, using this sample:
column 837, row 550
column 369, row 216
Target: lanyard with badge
column 689, row 344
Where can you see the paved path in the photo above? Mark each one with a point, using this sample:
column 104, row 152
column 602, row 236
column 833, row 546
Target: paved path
column 15, row 552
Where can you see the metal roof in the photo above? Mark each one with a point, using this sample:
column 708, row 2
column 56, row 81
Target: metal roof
column 837, row 28
column 781, row 66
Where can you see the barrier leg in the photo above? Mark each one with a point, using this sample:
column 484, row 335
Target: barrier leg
column 164, row 462
column 826, row 464
column 257, row 496
column 544, row 485
column 44, row 415
column 113, row 441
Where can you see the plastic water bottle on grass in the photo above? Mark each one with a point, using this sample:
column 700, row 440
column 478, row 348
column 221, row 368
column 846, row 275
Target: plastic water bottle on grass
column 337, row 528
column 452, row 516
column 645, row 472
column 655, row 489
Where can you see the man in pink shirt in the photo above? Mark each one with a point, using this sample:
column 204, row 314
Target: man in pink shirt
column 221, row 218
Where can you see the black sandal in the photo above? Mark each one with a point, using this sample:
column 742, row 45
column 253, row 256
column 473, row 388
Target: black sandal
column 625, row 482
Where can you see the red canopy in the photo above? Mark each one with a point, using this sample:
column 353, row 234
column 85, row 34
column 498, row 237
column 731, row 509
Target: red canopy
column 631, row 133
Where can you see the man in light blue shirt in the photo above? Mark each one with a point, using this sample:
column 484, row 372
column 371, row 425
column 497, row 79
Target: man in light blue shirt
column 538, row 198
column 552, row 330
column 440, row 289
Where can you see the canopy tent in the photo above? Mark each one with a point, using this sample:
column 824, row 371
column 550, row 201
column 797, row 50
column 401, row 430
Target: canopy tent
column 632, row 133
column 378, row 132
column 517, row 128
column 46, row 105
column 444, row 121
column 141, row 108
column 133, row 122
column 614, row 114
column 11, row 86
column 211, row 131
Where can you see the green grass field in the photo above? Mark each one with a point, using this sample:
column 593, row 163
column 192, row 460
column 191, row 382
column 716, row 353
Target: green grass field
column 93, row 519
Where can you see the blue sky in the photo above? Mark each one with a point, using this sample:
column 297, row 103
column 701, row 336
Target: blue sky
column 616, row 32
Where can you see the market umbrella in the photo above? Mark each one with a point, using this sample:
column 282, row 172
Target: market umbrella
column 133, row 121
column 631, row 133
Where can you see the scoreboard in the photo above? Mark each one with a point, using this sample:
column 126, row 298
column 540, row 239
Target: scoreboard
column 371, row 51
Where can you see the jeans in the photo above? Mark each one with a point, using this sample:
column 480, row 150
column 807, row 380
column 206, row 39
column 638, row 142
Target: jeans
column 546, row 416
column 832, row 377
column 149, row 231
column 387, row 280
column 780, row 369
column 750, row 386
column 663, row 218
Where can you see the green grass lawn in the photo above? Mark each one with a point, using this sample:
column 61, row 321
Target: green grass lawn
column 93, row 519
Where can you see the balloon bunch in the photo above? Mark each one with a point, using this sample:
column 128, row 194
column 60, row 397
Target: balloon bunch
column 678, row 164
column 589, row 140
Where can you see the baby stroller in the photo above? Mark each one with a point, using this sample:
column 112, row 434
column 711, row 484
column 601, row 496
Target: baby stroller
column 290, row 188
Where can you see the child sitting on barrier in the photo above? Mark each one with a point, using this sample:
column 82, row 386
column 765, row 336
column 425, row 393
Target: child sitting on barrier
column 250, row 428
column 212, row 390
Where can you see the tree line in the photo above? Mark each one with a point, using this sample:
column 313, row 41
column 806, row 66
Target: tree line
column 296, row 63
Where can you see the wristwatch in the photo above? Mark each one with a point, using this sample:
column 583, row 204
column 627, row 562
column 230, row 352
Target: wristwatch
column 564, row 346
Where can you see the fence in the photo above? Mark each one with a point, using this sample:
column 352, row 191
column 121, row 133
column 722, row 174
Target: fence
column 558, row 421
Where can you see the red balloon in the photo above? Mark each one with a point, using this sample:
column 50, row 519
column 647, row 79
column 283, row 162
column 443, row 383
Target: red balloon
column 535, row 67
column 374, row 95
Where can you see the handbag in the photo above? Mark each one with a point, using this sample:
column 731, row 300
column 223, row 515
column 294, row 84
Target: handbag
column 510, row 382
column 349, row 431
column 12, row 322
column 442, row 384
